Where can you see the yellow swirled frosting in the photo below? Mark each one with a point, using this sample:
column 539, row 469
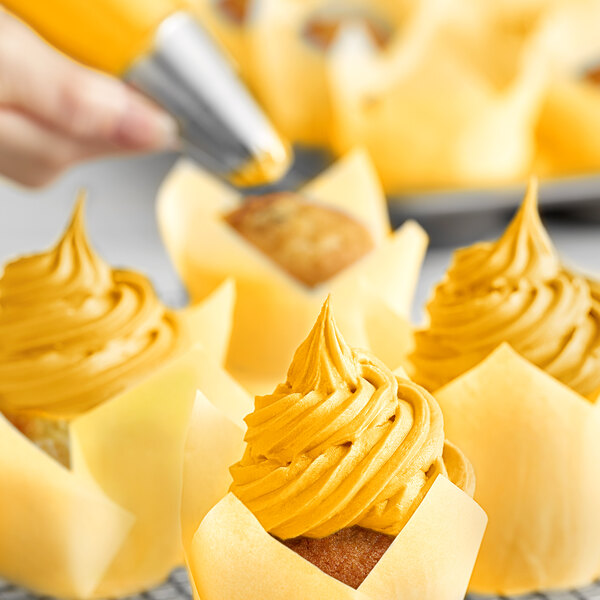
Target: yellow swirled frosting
column 514, row 290
column 74, row 332
column 343, row 442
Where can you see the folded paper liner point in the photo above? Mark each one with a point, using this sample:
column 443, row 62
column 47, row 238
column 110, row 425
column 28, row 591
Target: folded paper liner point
column 58, row 532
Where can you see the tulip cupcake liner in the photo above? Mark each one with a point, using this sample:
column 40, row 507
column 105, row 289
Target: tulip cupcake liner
column 205, row 251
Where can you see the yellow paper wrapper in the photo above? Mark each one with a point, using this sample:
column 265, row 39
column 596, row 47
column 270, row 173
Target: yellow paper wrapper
column 110, row 525
column 273, row 311
column 568, row 132
column 535, row 447
column 481, row 133
column 58, row 532
column 214, row 442
column 232, row 556
column 291, row 73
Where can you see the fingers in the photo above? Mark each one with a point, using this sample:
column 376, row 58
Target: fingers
column 73, row 100
column 33, row 154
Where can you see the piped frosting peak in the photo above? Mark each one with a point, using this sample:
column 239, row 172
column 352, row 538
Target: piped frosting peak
column 323, row 362
column 513, row 290
column 73, row 331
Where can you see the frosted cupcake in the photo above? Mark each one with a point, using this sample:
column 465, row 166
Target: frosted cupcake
column 345, row 473
column 514, row 339
column 86, row 354
column 514, row 290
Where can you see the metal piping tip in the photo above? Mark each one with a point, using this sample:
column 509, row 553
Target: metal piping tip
column 264, row 169
column 222, row 126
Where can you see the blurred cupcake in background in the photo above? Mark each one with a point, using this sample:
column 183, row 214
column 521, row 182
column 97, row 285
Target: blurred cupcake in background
column 292, row 44
column 286, row 252
column 441, row 94
column 457, row 108
column 227, row 21
column 568, row 129
column 97, row 382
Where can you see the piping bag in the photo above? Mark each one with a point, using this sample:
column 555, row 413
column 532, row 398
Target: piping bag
column 162, row 50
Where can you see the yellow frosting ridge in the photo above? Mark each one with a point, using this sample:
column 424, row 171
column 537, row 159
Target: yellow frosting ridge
column 343, row 442
column 513, row 290
column 73, row 331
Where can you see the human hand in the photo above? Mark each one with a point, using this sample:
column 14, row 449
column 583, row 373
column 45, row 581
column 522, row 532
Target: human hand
column 55, row 112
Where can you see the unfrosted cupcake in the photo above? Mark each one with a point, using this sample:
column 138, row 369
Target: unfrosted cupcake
column 310, row 241
column 286, row 252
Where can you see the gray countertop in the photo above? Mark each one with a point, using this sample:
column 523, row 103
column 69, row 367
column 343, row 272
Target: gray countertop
column 121, row 222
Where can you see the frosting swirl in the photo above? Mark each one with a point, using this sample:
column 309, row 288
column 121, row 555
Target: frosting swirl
column 74, row 332
column 343, row 442
column 517, row 291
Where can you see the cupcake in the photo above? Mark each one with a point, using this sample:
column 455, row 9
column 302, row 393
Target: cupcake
column 286, row 252
column 346, row 483
column 291, row 44
column 90, row 450
column 514, row 290
column 568, row 125
column 514, row 341
column 481, row 134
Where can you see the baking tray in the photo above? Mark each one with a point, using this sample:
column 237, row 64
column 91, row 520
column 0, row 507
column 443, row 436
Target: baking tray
column 461, row 216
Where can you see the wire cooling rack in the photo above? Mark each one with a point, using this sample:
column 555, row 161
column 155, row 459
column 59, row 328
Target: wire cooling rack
column 177, row 587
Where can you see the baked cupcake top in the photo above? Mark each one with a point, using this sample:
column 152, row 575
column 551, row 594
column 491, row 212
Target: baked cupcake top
column 342, row 442
column 513, row 290
column 73, row 331
column 311, row 242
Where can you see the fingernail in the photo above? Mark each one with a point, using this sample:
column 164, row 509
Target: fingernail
column 143, row 127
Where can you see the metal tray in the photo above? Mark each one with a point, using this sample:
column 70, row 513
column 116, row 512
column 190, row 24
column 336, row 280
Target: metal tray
column 460, row 216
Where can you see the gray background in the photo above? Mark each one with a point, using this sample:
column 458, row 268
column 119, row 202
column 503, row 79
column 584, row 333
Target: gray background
column 122, row 225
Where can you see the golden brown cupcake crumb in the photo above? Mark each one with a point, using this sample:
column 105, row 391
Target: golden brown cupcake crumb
column 311, row 242
column 348, row 555
column 51, row 436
